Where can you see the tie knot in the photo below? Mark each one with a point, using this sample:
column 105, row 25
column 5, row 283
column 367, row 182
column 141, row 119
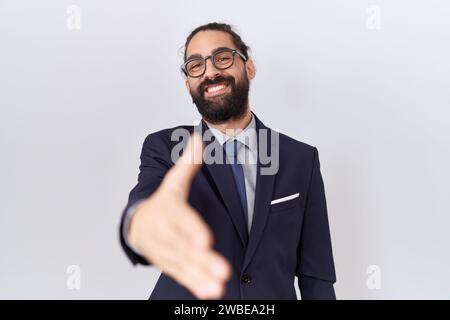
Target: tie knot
column 231, row 148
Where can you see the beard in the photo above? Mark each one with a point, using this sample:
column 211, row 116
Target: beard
column 228, row 106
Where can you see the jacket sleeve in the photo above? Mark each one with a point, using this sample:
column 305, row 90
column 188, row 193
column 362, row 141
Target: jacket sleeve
column 155, row 162
column 315, row 265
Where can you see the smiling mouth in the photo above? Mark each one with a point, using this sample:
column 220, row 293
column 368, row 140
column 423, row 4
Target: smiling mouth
column 216, row 89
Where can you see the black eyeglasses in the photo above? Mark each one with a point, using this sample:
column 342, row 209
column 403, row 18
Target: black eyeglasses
column 221, row 59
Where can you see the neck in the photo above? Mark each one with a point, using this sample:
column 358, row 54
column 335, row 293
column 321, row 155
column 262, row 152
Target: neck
column 234, row 124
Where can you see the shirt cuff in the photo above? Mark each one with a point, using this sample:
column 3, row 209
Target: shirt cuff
column 126, row 224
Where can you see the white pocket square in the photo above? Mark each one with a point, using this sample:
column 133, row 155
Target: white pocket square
column 292, row 196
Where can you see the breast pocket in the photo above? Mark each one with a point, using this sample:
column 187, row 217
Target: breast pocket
column 285, row 203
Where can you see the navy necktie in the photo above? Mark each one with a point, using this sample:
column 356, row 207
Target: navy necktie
column 231, row 149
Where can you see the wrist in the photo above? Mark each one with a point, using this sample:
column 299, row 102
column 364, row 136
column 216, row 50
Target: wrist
column 133, row 229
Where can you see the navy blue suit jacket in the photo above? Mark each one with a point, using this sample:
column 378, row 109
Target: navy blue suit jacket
column 287, row 239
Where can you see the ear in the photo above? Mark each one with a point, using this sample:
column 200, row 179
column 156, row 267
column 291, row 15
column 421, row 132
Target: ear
column 186, row 83
column 250, row 68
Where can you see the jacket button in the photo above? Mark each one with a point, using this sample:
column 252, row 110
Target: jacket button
column 246, row 279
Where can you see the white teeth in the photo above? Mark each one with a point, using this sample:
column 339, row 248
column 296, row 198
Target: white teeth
column 216, row 88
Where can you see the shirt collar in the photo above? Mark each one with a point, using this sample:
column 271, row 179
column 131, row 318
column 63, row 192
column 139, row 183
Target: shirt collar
column 247, row 136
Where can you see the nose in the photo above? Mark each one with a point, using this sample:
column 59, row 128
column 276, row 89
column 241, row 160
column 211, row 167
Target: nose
column 211, row 72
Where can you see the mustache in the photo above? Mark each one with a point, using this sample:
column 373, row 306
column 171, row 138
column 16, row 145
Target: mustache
column 219, row 79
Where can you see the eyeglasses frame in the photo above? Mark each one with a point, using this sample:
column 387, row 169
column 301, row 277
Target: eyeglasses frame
column 233, row 51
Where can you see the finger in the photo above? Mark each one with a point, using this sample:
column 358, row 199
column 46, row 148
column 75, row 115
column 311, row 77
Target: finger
column 197, row 285
column 198, row 235
column 173, row 261
column 180, row 176
column 207, row 261
column 190, row 224
column 204, row 258
column 199, row 281
column 210, row 262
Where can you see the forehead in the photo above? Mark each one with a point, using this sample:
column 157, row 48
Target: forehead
column 205, row 42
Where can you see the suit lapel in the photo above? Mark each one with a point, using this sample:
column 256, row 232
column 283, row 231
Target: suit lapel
column 222, row 177
column 263, row 196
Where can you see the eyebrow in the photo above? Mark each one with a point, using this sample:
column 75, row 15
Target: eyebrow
column 198, row 55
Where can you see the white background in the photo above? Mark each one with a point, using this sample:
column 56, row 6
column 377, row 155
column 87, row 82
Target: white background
column 76, row 105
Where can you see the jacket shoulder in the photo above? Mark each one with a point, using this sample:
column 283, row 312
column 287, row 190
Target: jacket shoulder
column 288, row 143
column 165, row 136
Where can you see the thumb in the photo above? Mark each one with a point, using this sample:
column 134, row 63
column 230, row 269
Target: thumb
column 179, row 178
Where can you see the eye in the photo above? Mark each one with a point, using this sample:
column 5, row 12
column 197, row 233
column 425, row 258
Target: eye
column 195, row 66
column 223, row 59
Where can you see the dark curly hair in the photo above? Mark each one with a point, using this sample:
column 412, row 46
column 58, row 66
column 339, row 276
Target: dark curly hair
column 240, row 45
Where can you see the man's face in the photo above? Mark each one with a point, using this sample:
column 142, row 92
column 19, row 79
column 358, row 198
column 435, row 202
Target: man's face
column 219, row 95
